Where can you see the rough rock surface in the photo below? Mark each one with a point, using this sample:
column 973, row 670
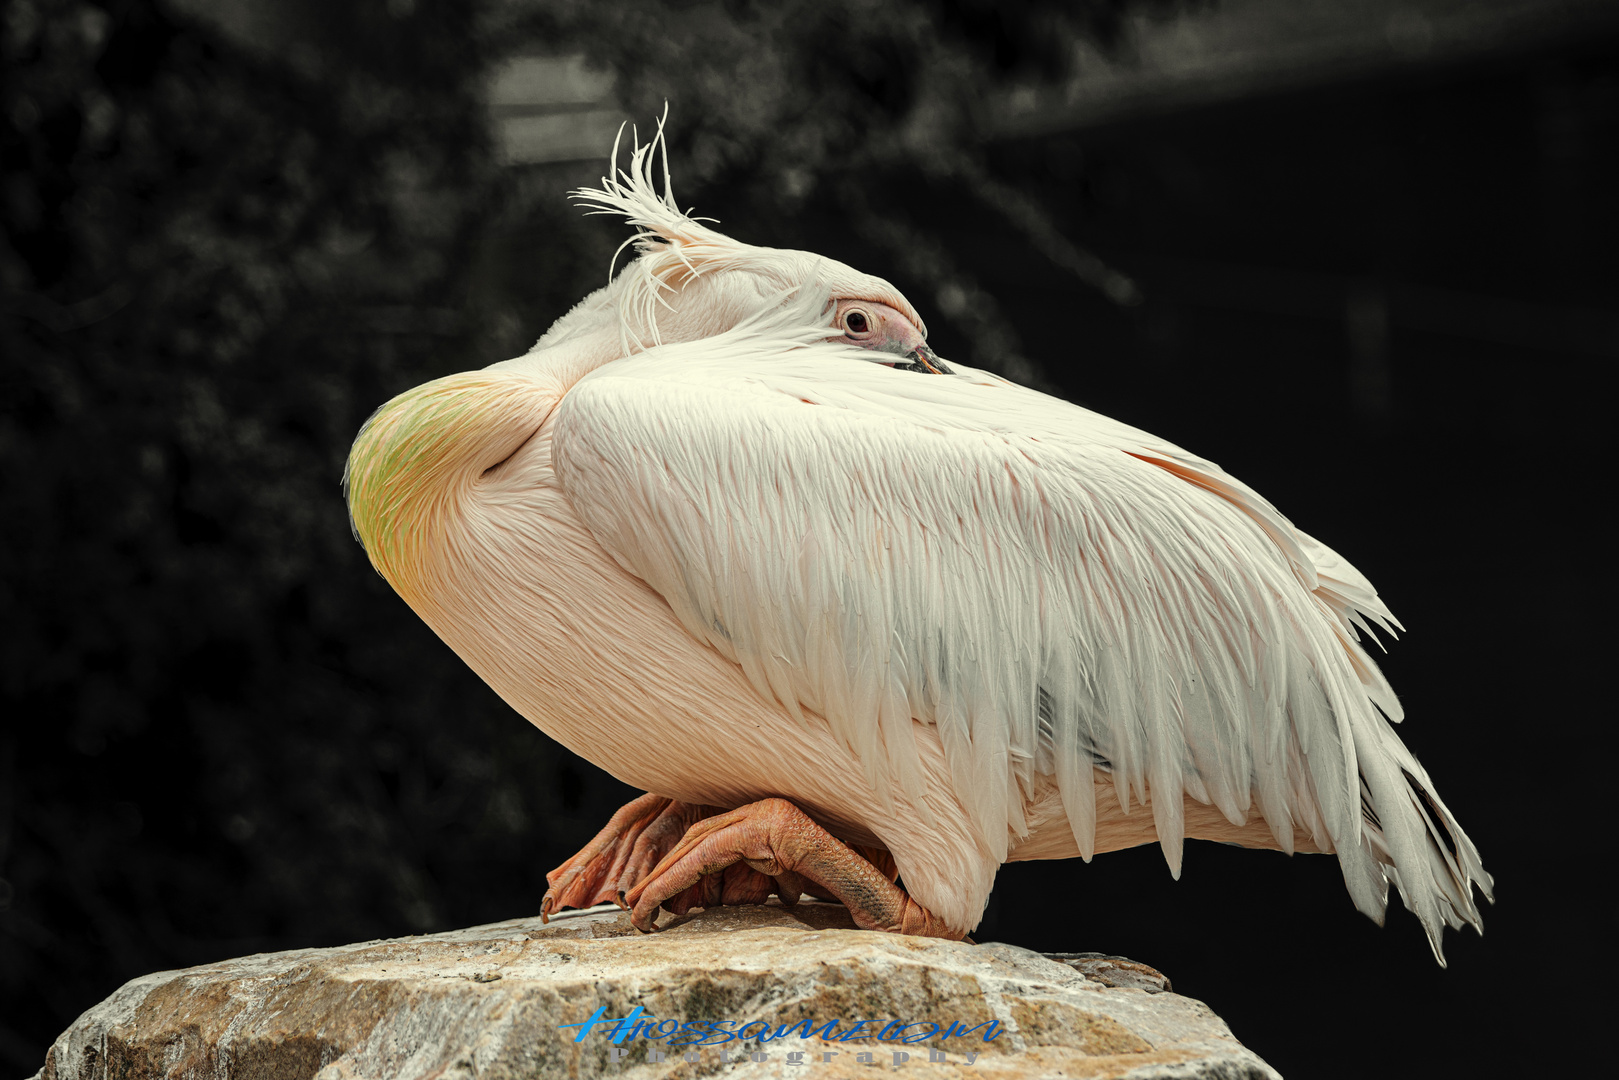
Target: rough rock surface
column 487, row 1002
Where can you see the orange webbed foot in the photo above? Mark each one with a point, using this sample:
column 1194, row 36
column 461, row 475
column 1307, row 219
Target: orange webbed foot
column 623, row 847
column 624, row 853
column 777, row 840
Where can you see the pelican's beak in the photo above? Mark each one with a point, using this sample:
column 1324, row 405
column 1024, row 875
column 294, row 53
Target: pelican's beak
column 925, row 359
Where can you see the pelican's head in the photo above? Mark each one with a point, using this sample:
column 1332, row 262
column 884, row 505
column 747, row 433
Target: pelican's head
column 889, row 332
column 690, row 281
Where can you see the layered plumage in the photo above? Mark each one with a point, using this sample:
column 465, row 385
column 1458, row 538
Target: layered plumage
column 1001, row 623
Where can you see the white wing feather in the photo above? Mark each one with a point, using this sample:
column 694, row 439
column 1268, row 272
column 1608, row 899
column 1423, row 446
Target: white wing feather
column 1050, row 587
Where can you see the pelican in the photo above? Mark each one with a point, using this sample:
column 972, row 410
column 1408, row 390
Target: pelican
column 854, row 616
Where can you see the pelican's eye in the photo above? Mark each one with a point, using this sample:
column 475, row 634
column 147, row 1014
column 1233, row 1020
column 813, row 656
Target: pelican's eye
column 856, row 322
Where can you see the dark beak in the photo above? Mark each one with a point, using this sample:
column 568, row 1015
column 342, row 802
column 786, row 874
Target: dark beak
column 924, row 359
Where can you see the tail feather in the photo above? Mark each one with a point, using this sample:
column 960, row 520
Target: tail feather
column 1415, row 839
column 1408, row 836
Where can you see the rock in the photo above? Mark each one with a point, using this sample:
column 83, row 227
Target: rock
column 1114, row 970
column 518, row 999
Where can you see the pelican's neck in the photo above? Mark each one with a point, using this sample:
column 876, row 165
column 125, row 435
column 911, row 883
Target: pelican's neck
column 565, row 362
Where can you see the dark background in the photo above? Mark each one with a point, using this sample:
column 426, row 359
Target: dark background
column 1381, row 290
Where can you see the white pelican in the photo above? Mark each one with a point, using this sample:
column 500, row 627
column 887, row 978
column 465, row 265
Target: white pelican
column 732, row 532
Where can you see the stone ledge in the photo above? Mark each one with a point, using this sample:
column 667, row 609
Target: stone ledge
column 487, row 1002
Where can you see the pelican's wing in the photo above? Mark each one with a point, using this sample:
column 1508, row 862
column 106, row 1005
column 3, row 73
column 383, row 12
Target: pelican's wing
column 1051, row 588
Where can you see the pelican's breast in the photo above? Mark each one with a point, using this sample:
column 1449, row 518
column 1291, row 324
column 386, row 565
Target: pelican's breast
column 452, row 492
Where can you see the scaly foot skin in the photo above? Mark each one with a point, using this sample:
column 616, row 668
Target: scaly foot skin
column 777, row 840
column 640, row 834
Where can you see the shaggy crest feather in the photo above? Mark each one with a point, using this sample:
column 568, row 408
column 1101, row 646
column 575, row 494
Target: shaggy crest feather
column 671, row 243
column 673, row 247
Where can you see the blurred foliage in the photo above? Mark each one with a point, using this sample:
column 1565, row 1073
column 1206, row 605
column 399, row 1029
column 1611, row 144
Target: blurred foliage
column 829, row 87
column 222, row 732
